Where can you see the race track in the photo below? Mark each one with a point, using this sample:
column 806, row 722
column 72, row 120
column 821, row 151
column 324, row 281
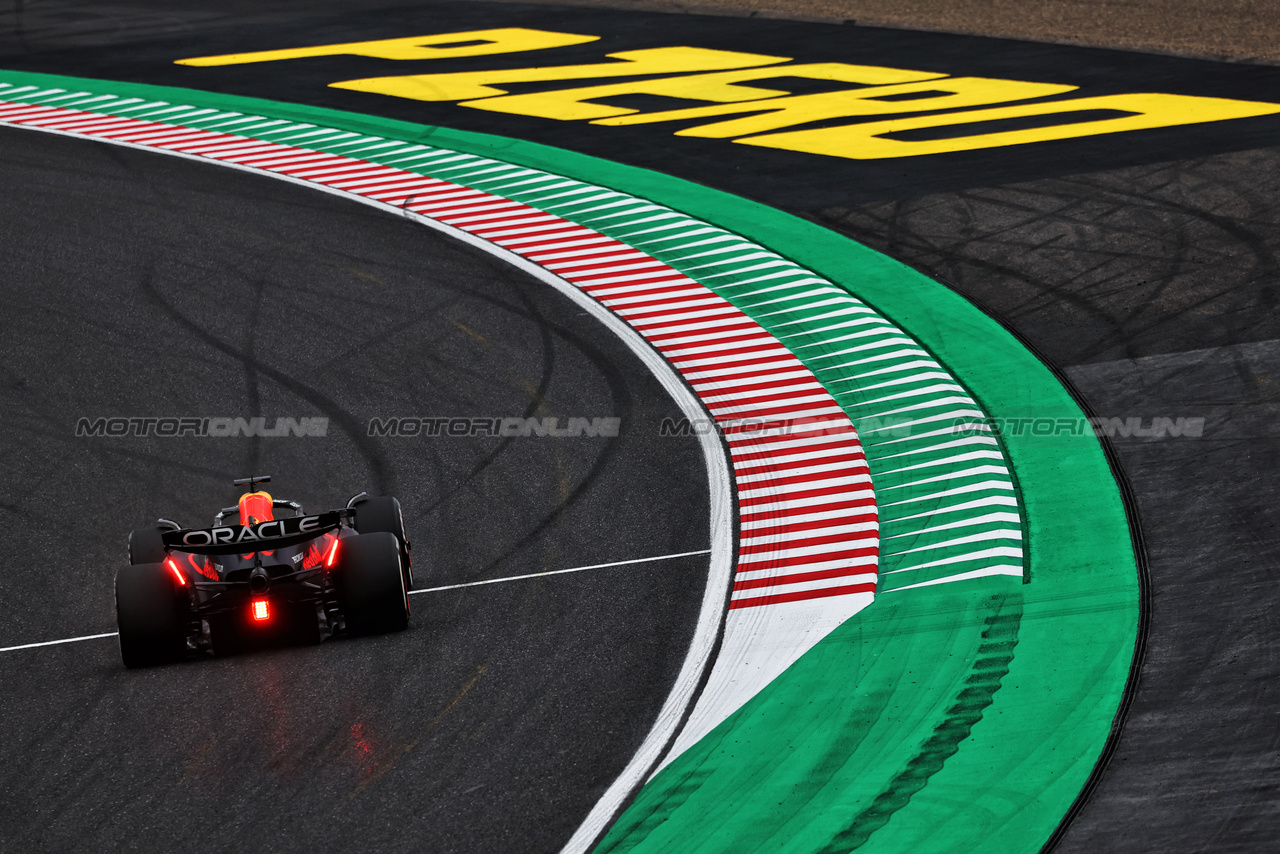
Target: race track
column 1140, row 267
column 150, row 284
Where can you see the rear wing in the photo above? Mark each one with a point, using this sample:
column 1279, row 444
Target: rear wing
column 264, row 536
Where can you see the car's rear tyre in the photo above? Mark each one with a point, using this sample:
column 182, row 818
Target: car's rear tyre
column 374, row 599
column 383, row 515
column 146, row 546
column 150, row 616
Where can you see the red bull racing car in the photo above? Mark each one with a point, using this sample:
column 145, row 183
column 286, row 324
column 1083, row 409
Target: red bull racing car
column 256, row 576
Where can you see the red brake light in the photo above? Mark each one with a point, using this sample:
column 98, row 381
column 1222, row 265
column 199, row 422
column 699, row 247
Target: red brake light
column 177, row 573
column 261, row 611
column 333, row 555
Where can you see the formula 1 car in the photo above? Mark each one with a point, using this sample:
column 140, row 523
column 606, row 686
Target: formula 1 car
column 253, row 577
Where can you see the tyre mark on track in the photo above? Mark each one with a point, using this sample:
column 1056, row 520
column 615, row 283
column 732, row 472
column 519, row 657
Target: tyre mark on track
column 1129, row 252
column 379, row 468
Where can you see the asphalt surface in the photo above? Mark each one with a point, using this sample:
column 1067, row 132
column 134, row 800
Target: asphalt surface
column 1143, row 266
column 137, row 285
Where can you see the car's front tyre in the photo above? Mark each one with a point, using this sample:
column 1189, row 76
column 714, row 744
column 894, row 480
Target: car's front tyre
column 146, row 545
column 383, row 515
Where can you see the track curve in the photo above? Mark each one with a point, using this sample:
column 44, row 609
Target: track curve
column 1213, row 662
column 190, row 291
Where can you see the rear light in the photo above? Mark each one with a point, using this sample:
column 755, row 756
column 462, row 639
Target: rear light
column 177, row 573
column 333, row 555
column 261, row 611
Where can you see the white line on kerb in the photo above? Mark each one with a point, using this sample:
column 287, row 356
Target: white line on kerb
column 425, row 590
column 558, row 572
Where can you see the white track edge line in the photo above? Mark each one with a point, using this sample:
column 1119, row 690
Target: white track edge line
column 631, row 562
column 55, row 642
column 556, row 572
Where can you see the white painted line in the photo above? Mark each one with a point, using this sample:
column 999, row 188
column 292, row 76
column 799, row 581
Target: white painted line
column 657, row 277
column 784, row 504
column 794, row 471
column 666, row 305
column 808, row 387
column 958, row 443
column 853, row 458
column 604, row 252
column 969, row 472
column 850, row 306
column 597, row 270
column 951, row 416
column 776, row 573
column 946, row 461
column 1012, row 518
column 159, row 138
column 556, row 572
column 615, row 260
column 606, row 244
column 462, row 213
column 55, row 642
column 1002, row 569
column 568, row 231
column 800, row 411
column 800, row 297
column 749, row 527
column 379, row 186
column 976, row 427
column 984, row 537
column 785, row 586
column 936, row 388
column 926, row 364
column 992, row 501
column 427, row 590
column 745, row 495
column 783, row 560
column 960, row 490
column 510, row 233
column 665, row 324
column 1000, row 551
column 805, row 444
column 790, row 534
column 916, row 377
